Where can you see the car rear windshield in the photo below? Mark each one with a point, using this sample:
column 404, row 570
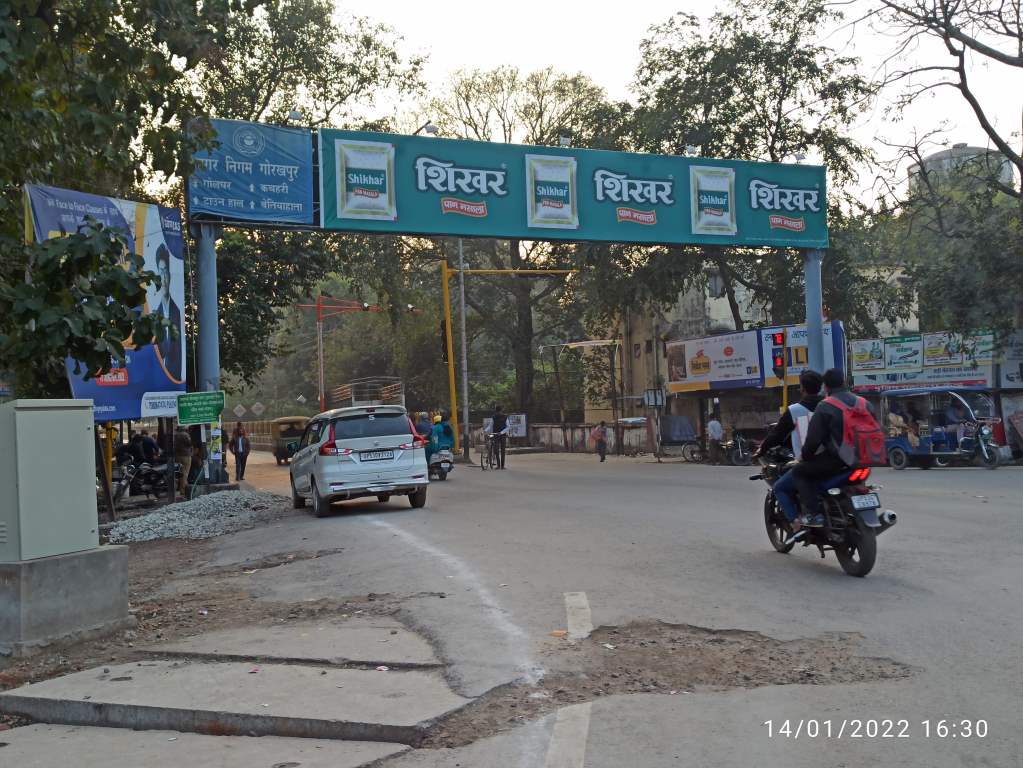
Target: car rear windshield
column 371, row 425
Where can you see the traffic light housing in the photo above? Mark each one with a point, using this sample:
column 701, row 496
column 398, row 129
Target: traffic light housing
column 778, row 362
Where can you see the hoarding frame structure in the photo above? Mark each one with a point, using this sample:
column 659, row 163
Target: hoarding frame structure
column 767, row 195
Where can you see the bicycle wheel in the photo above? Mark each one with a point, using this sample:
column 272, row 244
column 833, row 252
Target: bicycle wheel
column 692, row 452
column 492, row 456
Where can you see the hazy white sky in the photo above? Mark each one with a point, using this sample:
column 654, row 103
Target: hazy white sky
column 601, row 39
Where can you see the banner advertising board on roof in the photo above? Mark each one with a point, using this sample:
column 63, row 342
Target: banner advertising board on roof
column 155, row 234
column 728, row 361
column 377, row 182
column 258, row 173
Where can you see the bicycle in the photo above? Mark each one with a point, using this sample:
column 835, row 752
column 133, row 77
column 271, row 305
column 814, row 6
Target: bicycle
column 488, row 452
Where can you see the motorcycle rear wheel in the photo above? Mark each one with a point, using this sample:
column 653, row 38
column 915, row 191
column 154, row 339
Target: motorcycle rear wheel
column 778, row 529
column 858, row 553
column 692, row 452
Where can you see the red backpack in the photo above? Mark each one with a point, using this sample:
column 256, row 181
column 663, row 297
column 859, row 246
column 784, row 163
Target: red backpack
column 863, row 443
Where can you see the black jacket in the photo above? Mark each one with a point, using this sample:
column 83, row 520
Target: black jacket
column 500, row 422
column 826, row 426
column 781, row 431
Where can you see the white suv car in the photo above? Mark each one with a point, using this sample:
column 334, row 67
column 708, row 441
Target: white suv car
column 351, row 453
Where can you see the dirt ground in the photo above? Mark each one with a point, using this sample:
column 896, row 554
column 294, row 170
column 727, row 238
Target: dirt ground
column 643, row 657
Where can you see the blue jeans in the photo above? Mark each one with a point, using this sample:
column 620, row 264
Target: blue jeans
column 785, row 492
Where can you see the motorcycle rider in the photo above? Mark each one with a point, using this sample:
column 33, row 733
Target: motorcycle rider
column 793, row 426
column 442, row 437
column 819, row 454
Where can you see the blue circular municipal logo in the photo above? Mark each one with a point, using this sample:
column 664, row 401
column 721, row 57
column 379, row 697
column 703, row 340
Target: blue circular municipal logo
column 248, row 141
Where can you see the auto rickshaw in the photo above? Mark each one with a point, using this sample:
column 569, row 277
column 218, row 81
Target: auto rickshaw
column 284, row 431
column 933, row 426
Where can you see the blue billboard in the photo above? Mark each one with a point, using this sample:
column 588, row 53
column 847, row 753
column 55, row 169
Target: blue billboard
column 258, row 173
column 153, row 232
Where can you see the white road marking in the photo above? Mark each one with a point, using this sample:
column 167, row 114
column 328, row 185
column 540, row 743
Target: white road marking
column 532, row 672
column 577, row 608
column 568, row 741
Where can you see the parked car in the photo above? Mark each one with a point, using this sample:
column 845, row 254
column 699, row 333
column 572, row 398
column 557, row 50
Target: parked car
column 352, row 453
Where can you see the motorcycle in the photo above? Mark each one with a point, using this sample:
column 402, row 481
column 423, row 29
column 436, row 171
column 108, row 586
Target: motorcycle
column 144, row 479
column 852, row 521
column 442, row 462
column 739, row 450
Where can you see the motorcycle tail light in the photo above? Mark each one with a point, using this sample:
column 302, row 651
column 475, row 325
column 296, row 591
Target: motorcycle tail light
column 859, row 475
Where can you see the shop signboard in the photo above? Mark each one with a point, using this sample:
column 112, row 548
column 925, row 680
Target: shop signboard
column 798, row 357
column 728, row 361
column 946, row 376
column 377, row 182
column 257, row 173
column 155, row 234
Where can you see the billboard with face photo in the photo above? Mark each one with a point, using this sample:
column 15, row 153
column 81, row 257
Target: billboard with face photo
column 155, row 372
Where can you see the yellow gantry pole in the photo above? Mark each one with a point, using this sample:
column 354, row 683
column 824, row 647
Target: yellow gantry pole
column 445, row 276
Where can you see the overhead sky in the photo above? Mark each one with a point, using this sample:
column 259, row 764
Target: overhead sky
column 601, row 39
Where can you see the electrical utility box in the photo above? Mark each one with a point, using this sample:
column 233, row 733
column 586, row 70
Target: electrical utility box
column 47, row 479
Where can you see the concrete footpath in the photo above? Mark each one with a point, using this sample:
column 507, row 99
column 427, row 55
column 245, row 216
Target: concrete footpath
column 366, row 681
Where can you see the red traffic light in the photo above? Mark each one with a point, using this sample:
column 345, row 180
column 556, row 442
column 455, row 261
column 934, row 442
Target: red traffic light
column 778, row 338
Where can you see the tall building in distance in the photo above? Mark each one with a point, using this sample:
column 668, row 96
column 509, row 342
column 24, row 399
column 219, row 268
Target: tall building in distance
column 964, row 162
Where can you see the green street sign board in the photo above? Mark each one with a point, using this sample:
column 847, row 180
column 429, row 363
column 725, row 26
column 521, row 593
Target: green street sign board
column 377, row 182
column 200, row 407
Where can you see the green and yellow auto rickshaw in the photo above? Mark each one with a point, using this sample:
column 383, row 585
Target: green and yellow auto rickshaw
column 284, row 431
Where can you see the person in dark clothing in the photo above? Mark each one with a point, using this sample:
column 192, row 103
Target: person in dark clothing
column 240, row 446
column 793, row 426
column 150, row 450
column 500, row 431
column 820, row 449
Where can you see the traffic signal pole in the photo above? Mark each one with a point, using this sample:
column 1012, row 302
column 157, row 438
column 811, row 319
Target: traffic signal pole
column 445, row 274
column 784, row 369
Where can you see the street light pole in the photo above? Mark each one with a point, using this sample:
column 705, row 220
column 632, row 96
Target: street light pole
column 465, row 355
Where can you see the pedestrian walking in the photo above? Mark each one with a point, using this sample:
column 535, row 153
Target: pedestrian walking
column 715, row 434
column 240, row 446
column 599, row 438
column 183, row 457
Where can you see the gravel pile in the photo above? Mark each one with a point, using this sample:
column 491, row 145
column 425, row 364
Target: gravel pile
column 201, row 518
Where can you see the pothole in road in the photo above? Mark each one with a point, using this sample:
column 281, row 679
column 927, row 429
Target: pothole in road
column 659, row 658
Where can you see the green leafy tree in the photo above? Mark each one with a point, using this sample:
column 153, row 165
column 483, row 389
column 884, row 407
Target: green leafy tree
column 753, row 84
column 78, row 302
column 541, row 107
column 291, row 56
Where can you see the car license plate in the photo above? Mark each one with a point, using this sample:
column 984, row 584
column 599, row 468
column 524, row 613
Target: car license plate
column 376, row 455
column 866, row 501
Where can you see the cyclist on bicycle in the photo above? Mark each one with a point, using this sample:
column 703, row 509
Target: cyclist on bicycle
column 499, row 429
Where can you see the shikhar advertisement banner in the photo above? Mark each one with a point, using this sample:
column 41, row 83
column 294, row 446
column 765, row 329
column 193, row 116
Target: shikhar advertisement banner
column 153, row 372
column 378, row 182
column 728, row 361
column 258, row 173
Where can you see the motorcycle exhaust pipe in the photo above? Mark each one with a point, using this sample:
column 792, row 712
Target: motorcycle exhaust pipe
column 888, row 518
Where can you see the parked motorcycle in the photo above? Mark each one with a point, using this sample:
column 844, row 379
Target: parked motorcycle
column 739, row 450
column 851, row 514
column 143, row 480
column 442, row 462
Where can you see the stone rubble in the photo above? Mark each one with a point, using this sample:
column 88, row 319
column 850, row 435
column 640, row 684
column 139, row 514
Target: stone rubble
column 201, row 518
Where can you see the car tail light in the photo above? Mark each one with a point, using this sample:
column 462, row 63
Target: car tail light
column 329, row 448
column 859, row 475
column 417, row 442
